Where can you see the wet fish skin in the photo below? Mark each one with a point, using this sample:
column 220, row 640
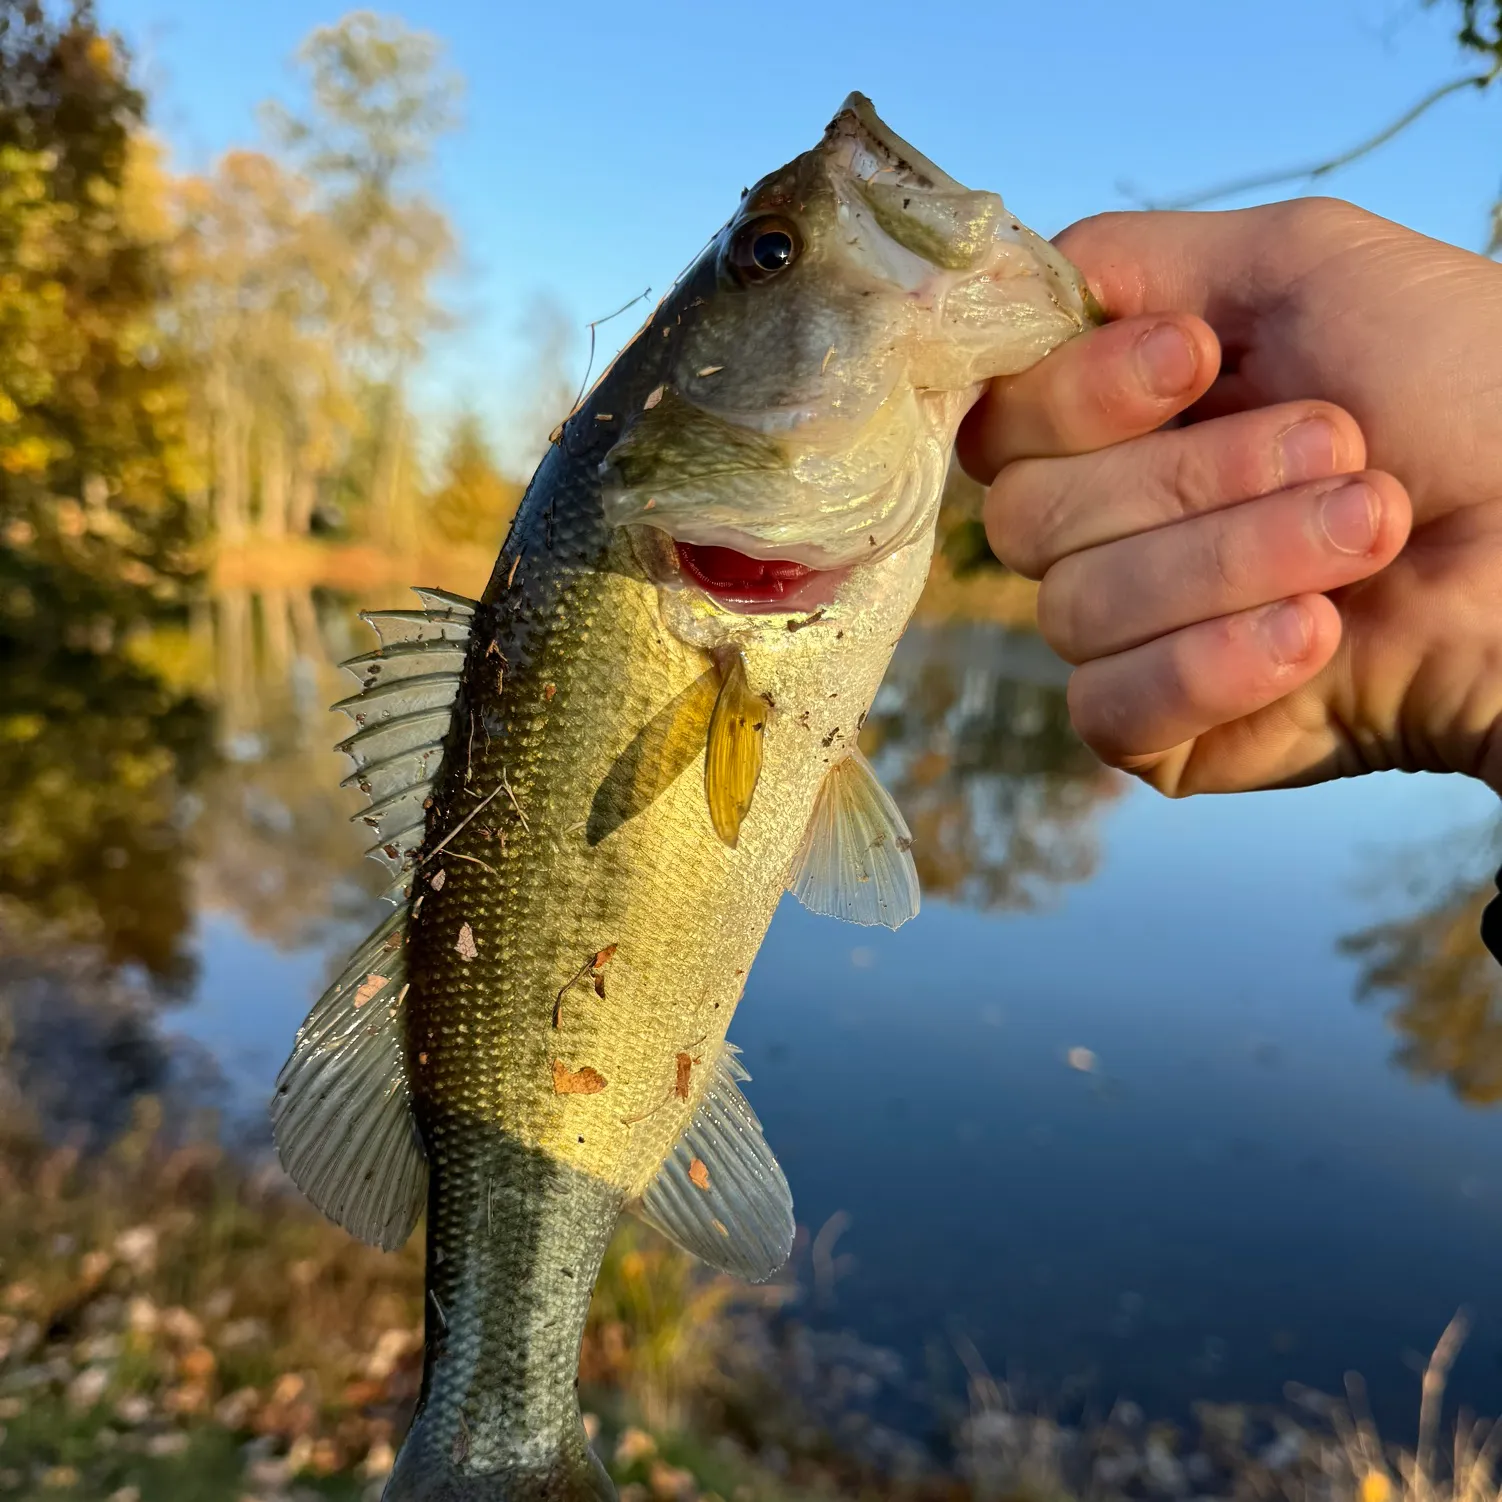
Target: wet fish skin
column 580, row 928
column 686, row 913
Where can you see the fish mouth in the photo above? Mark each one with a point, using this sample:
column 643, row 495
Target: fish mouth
column 757, row 586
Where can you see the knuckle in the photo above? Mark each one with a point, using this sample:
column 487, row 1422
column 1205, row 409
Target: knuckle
column 1226, row 559
column 1012, row 516
column 1193, row 483
column 1307, row 227
column 1061, row 612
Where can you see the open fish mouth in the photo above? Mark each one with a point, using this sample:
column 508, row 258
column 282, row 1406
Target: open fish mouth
column 756, row 586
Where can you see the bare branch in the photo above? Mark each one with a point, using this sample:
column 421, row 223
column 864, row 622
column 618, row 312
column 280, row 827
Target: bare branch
column 1317, row 170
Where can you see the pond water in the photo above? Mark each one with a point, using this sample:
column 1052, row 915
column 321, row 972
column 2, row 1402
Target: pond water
column 1122, row 1113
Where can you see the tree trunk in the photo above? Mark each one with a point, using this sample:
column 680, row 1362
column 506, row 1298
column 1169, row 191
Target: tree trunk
column 229, row 474
column 393, row 516
column 304, row 499
column 273, row 479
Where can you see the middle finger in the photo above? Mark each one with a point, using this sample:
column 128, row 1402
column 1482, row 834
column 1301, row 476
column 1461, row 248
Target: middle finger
column 1039, row 510
column 1310, row 539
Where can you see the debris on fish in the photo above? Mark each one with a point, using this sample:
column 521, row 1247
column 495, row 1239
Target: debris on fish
column 659, row 750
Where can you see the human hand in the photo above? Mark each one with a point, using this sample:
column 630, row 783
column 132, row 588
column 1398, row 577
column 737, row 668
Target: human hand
column 1303, row 581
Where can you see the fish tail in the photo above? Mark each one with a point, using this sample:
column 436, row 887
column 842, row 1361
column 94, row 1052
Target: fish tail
column 515, row 1241
column 427, row 1471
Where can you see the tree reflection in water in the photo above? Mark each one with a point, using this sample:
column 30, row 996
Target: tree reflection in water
column 971, row 734
column 1446, row 989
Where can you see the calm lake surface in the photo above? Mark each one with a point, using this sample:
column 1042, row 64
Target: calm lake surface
column 1114, row 1115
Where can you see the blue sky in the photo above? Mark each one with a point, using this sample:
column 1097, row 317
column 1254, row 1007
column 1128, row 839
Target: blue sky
column 602, row 144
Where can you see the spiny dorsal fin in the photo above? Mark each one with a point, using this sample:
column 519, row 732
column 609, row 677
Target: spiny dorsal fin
column 720, row 1194
column 856, row 859
column 342, row 1113
column 404, row 709
column 732, row 756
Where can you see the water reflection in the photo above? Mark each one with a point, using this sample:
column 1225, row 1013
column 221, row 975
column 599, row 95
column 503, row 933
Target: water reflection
column 1444, row 988
column 102, row 733
column 971, row 733
column 273, row 840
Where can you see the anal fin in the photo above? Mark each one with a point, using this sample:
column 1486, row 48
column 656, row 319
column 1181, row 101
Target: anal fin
column 856, row 859
column 342, row 1113
column 721, row 1194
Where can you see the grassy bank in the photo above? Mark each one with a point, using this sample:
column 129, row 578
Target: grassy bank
column 177, row 1327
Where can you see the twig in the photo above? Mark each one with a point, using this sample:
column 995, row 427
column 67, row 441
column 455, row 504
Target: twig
column 647, row 292
column 459, row 855
column 460, row 825
column 1317, row 170
column 512, row 796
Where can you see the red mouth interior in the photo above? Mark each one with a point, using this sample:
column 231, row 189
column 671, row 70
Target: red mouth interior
column 733, row 576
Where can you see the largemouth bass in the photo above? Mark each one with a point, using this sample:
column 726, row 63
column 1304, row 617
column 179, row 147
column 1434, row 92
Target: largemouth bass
column 594, row 784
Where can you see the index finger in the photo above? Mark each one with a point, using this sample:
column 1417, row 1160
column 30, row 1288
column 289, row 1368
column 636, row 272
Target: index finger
column 1107, row 385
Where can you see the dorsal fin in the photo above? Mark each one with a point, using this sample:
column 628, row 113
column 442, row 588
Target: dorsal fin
column 856, row 859
column 342, row 1113
column 721, row 1194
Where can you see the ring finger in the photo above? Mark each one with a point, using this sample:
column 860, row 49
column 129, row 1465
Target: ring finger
column 1310, row 539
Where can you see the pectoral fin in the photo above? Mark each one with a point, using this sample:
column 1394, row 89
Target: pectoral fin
column 856, row 860
column 721, row 1195
column 732, row 757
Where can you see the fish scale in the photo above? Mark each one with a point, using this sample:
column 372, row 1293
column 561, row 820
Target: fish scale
column 628, row 772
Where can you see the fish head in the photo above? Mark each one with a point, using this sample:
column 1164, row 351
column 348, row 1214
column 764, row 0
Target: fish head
column 820, row 355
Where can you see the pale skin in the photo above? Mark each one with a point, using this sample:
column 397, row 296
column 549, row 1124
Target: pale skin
column 1302, row 579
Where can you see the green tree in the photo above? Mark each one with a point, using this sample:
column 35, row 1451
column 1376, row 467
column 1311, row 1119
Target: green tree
column 93, row 466
column 96, row 744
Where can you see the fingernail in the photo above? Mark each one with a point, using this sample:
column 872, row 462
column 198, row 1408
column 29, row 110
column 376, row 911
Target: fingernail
column 1307, row 450
column 1285, row 631
column 1166, row 360
column 1348, row 517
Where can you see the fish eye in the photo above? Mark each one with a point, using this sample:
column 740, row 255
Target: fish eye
column 762, row 247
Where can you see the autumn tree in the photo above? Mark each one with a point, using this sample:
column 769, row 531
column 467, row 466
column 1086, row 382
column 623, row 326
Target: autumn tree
column 305, row 291
column 472, row 501
column 380, row 101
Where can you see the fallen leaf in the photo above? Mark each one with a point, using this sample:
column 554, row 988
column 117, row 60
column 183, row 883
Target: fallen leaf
column 721, row 1227
column 708, row 370
column 698, row 1174
column 654, row 396
column 369, row 987
column 680, row 1084
column 437, row 879
column 465, row 943
column 585, row 1081
column 548, row 690
column 605, row 955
